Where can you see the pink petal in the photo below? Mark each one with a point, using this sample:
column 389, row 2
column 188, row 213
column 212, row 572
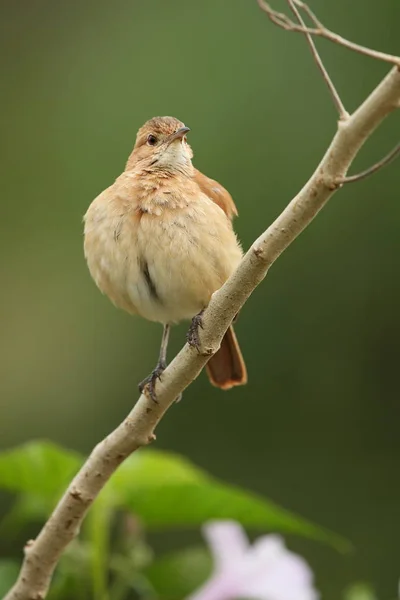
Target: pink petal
column 265, row 571
column 276, row 573
column 228, row 543
column 218, row 587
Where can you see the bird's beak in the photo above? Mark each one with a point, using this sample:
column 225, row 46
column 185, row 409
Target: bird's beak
column 178, row 135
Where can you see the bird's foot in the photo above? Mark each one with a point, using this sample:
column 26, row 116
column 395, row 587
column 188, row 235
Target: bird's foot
column 192, row 336
column 147, row 386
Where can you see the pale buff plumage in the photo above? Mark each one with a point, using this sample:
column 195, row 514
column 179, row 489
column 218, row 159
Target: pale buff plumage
column 185, row 240
column 155, row 242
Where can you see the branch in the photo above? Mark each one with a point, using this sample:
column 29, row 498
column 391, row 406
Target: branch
column 343, row 114
column 43, row 554
column 376, row 167
column 320, row 30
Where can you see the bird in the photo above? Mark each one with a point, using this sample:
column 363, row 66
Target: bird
column 159, row 242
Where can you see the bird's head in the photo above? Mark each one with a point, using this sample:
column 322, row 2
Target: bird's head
column 161, row 144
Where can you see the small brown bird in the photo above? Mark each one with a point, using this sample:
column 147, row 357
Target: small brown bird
column 159, row 242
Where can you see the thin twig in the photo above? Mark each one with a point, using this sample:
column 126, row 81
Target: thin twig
column 376, row 167
column 284, row 22
column 343, row 114
column 310, row 13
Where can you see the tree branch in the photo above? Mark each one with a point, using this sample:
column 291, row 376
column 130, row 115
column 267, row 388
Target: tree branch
column 343, row 114
column 43, row 554
column 320, row 30
column 371, row 170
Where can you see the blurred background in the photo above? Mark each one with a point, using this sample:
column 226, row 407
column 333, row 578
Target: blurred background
column 317, row 427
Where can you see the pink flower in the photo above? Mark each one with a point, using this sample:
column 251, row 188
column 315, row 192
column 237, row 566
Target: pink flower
column 266, row 570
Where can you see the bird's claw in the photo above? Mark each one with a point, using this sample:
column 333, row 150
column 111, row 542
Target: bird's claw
column 147, row 386
column 192, row 336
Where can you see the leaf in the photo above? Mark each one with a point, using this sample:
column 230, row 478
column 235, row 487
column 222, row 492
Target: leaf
column 157, row 467
column 9, row 570
column 165, row 490
column 360, row 591
column 176, row 575
column 39, row 467
column 162, row 489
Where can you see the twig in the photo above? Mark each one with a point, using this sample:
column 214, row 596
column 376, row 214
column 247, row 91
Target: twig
column 43, row 554
column 343, row 114
column 283, row 21
column 382, row 163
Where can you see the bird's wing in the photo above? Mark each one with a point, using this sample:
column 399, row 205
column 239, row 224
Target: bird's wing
column 216, row 193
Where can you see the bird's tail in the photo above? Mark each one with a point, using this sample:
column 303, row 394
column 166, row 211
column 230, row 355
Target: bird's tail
column 226, row 368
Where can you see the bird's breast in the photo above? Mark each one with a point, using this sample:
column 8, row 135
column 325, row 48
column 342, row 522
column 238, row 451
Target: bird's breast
column 162, row 264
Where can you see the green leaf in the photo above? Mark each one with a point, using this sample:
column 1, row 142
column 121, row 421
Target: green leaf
column 162, row 489
column 177, row 575
column 9, row 570
column 158, row 467
column 165, row 490
column 39, row 467
column 360, row 591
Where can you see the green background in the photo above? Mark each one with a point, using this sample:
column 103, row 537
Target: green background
column 317, row 427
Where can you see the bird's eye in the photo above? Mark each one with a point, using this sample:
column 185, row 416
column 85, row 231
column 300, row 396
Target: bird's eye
column 151, row 140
